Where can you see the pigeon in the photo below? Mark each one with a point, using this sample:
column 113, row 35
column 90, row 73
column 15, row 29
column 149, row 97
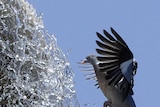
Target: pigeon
column 114, row 69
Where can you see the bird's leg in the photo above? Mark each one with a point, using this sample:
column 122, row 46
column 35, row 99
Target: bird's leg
column 107, row 104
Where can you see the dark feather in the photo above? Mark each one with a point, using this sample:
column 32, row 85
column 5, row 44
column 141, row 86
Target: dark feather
column 110, row 75
column 118, row 37
column 110, row 60
column 108, row 69
column 115, row 77
column 104, row 52
column 111, row 44
column 108, row 35
column 106, row 47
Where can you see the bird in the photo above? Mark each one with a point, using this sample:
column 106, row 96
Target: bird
column 114, row 68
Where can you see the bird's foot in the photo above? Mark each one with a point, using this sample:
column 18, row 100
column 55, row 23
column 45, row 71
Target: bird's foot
column 107, row 104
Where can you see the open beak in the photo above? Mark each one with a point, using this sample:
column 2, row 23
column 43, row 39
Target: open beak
column 84, row 61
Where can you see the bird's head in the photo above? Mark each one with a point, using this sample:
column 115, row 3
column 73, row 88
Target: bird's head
column 92, row 59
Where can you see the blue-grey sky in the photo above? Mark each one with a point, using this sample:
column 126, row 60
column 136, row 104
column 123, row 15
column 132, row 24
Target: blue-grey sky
column 75, row 23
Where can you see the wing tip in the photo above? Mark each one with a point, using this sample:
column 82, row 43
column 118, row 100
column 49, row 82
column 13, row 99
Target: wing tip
column 111, row 28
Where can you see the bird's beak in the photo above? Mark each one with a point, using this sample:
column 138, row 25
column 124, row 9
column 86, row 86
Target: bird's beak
column 84, row 61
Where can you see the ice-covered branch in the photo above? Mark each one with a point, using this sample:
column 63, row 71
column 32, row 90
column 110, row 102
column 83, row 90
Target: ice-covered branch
column 33, row 69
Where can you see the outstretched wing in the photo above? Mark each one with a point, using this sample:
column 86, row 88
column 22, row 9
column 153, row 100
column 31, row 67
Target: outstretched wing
column 116, row 61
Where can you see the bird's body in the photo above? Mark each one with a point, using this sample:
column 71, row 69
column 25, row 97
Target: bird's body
column 114, row 70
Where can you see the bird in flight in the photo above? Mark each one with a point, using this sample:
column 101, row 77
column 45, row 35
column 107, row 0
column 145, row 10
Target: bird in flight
column 114, row 69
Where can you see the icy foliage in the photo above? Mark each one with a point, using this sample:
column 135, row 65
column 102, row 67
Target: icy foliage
column 33, row 70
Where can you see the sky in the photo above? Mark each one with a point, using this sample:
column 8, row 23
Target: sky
column 75, row 23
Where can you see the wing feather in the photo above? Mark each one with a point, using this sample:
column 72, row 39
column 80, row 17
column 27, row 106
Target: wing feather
column 104, row 52
column 114, row 51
